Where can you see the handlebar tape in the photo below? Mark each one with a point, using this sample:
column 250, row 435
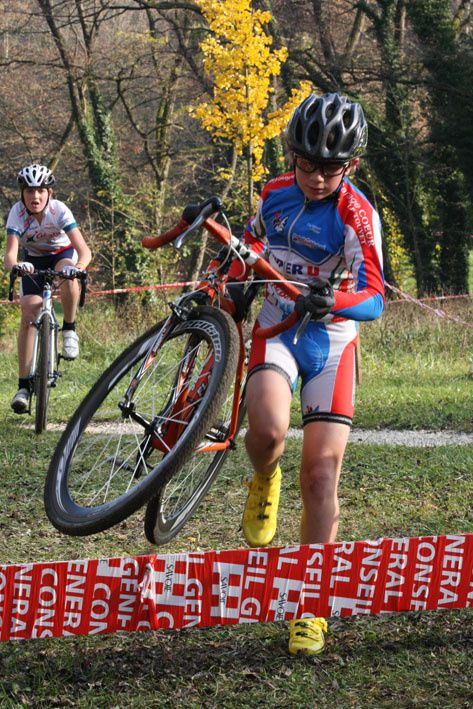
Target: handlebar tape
column 190, row 215
column 154, row 242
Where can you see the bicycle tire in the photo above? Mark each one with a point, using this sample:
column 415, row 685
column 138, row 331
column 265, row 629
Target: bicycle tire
column 101, row 452
column 41, row 381
column 183, row 488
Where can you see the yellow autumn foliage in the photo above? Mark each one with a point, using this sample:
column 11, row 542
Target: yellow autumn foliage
column 239, row 59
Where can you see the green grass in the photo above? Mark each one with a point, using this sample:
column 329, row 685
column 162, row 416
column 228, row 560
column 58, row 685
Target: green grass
column 416, row 374
column 417, row 369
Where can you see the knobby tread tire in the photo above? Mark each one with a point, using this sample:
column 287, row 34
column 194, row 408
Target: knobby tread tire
column 42, row 389
column 160, row 530
column 75, row 520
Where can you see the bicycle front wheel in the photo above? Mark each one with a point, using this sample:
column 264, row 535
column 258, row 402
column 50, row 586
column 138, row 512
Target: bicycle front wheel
column 41, row 379
column 109, row 461
column 183, row 488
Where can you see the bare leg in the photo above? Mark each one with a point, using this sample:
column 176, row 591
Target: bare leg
column 322, row 456
column 268, row 400
column 30, row 307
column 70, row 293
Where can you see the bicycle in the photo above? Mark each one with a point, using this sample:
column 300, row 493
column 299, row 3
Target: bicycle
column 159, row 423
column 44, row 372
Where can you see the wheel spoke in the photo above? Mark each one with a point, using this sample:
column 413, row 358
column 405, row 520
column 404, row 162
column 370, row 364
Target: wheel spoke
column 128, row 435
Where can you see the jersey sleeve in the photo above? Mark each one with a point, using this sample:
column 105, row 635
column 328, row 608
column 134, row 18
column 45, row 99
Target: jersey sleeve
column 13, row 225
column 66, row 220
column 364, row 259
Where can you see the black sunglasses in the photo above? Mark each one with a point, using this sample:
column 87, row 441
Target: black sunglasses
column 327, row 169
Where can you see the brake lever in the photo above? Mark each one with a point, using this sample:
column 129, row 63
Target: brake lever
column 209, row 207
column 195, row 225
column 301, row 328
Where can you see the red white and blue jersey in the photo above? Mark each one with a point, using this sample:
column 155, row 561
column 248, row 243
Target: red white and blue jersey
column 49, row 237
column 335, row 239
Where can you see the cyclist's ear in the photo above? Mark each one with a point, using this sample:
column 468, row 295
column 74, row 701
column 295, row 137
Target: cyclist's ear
column 351, row 169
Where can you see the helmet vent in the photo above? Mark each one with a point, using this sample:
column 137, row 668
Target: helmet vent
column 329, row 111
column 332, row 138
column 313, row 134
column 347, row 119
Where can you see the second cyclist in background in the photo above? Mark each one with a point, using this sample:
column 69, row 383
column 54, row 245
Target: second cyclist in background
column 42, row 233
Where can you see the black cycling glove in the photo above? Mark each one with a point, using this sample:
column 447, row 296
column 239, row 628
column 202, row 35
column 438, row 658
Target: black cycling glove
column 319, row 302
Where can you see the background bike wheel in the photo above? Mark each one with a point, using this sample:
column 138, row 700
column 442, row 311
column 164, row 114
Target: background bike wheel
column 183, row 488
column 41, row 381
column 105, row 465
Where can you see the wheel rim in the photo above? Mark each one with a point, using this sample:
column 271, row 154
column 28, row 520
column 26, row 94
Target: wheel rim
column 188, row 485
column 115, row 455
column 181, row 495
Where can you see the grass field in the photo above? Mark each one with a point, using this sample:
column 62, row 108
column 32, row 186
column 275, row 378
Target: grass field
column 417, row 372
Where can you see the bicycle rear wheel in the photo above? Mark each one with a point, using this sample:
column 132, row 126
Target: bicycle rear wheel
column 183, row 488
column 109, row 461
column 41, row 379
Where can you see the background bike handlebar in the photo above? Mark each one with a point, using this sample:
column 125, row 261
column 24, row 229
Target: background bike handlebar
column 195, row 216
column 49, row 274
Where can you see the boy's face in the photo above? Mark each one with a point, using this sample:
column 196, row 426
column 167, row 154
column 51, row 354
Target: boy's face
column 318, row 180
column 35, row 198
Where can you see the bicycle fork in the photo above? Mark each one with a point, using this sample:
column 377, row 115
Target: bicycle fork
column 46, row 319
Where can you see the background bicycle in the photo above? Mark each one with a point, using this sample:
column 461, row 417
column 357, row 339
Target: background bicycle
column 160, row 421
column 44, row 372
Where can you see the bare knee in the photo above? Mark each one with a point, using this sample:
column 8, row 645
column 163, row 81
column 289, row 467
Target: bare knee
column 266, row 435
column 319, row 477
column 28, row 315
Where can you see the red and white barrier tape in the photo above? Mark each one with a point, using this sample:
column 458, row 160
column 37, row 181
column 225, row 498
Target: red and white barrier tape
column 136, row 289
column 210, row 588
column 116, row 291
column 422, row 304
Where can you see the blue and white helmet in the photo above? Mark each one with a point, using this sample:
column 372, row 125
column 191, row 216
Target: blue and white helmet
column 36, row 176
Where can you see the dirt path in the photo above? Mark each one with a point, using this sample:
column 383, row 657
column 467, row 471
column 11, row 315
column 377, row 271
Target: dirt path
column 421, row 438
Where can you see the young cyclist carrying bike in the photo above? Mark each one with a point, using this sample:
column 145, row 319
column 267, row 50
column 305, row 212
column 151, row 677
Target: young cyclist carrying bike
column 320, row 230
column 46, row 232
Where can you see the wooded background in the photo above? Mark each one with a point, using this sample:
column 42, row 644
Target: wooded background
column 103, row 92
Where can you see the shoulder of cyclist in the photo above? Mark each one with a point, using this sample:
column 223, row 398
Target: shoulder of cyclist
column 354, row 207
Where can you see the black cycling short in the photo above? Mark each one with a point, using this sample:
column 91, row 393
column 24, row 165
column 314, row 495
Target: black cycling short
column 33, row 285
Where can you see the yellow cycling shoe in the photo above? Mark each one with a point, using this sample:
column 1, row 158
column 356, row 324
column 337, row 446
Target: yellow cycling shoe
column 260, row 516
column 307, row 635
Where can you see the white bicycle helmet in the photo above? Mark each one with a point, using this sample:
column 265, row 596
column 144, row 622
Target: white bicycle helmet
column 36, row 176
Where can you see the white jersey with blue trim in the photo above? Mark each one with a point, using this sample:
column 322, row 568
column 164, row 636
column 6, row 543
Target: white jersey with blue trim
column 49, row 237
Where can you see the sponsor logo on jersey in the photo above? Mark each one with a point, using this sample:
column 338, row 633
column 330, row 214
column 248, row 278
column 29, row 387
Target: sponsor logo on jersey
column 316, row 228
column 294, row 269
column 279, row 222
column 307, row 241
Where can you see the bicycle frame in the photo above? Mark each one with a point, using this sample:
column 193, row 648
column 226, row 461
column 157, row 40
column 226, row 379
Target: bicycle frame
column 212, row 288
column 46, row 318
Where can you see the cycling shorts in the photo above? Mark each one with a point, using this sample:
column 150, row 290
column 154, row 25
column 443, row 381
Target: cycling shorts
column 33, row 285
column 324, row 359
